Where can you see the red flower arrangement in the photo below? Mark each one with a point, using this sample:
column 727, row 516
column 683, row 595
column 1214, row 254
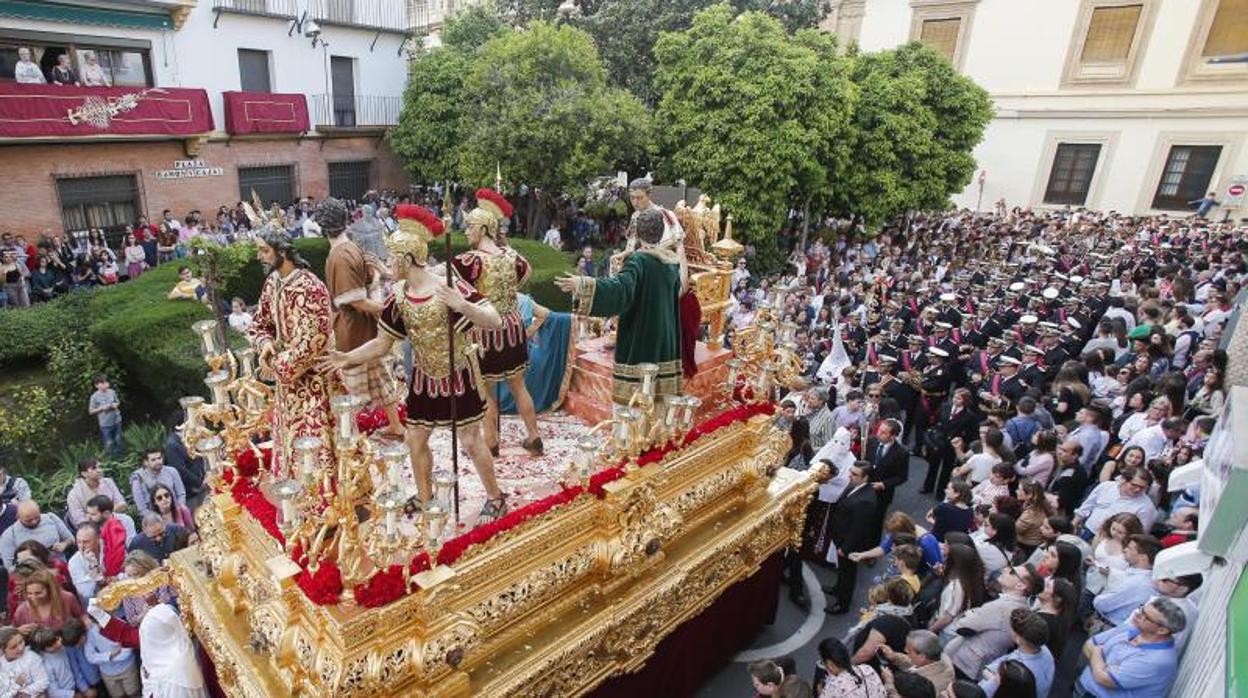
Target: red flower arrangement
column 325, row 586
column 247, row 464
column 382, row 588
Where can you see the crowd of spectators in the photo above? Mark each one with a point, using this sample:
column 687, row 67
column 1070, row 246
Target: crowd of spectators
column 40, row 268
column 58, row 642
column 1050, row 371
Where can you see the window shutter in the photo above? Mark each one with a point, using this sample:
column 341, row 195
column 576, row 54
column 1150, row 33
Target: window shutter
column 1110, row 32
column 942, row 35
column 1228, row 35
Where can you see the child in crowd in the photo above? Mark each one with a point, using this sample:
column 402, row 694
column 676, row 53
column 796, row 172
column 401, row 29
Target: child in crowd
column 48, row 644
column 86, row 673
column 20, row 668
column 117, row 665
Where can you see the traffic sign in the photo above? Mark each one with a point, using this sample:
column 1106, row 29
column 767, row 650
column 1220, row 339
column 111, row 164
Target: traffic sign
column 1235, row 191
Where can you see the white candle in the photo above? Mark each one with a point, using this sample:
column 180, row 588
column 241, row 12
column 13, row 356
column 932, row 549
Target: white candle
column 288, row 511
column 392, row 522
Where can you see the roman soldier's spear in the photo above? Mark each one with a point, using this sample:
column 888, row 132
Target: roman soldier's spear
column 447, row 210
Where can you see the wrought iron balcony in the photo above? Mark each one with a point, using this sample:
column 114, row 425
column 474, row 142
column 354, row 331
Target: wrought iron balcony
column 355, row 111
column 285, row 9
column 380, row 15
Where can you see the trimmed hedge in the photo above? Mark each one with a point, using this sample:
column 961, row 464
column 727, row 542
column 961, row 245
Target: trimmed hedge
column 150, row 336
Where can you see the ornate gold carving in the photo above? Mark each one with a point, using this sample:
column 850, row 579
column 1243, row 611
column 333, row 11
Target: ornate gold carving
column 551, row 608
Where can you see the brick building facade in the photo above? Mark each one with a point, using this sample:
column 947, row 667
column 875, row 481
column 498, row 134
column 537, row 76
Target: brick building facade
column 48, row 182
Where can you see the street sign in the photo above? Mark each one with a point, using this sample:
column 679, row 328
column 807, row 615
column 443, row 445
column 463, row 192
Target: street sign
column 1235, row 191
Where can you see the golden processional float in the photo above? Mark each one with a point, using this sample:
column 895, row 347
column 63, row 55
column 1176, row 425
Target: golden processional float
column 313, row 583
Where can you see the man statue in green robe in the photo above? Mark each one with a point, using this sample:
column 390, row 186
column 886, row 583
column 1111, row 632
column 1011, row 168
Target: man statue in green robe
column 645, row 295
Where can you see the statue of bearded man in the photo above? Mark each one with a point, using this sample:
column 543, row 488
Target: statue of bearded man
column 291, row 333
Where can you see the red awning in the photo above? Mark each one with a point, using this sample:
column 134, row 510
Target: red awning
column 53, row 110
column 265, row 112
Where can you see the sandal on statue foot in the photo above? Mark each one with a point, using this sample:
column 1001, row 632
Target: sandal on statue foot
column 413, row 506
column 493, row 509
column 534, row 446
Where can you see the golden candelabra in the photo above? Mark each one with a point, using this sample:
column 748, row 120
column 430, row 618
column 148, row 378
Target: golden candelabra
column 340, row 514
column 766, row 352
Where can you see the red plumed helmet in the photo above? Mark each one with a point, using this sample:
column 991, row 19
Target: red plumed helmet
column 495, row 203
column 421, row 215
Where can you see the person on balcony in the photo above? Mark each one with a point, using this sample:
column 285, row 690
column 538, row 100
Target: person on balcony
column 63, row 73
column 93, row 75
column 27, row 71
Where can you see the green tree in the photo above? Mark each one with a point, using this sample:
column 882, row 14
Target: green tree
column 626, row 30
column 537, row 102
column 915, row 125
column 470, row 29
column 432, row 122
column 752, row 115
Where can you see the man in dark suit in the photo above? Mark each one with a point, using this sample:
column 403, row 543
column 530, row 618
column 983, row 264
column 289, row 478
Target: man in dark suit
column 890, row 467
column 853, row 532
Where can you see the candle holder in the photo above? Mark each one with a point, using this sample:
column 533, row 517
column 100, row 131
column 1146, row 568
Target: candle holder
column 210, row 448
column 191, row 406
column 734, row 374
column 444, row 492
column 289, row 517
column 217, row 382
column 346, row 432
column 435, row 522
column 306, row 450
column 207, row 331
column 649, row 372
column 765, row 382
column 622, row 431
column 586, row 458
column 393, row 456
column 246, row 362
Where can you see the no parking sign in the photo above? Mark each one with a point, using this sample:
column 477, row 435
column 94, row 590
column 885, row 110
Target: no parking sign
column 1235, row 191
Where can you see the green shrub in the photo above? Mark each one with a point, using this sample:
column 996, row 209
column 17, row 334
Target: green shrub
column 73, row 362
column 28, row 427
column 26, row 334
column 50, row 488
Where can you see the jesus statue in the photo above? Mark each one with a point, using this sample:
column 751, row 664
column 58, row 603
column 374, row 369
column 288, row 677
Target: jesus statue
column 645, row 295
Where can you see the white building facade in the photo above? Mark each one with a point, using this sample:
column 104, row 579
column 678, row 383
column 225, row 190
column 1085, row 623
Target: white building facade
column 346, row 60
column 1126, row 105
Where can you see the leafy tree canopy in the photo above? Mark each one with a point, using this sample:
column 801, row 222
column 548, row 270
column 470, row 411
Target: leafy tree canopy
column 627, row 30
column 752, row 115
column 916, row 122
column 539, row 103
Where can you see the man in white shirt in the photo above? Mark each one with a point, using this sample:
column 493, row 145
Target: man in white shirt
column 1157, row 439
column 1127, row 494
column 86, row 567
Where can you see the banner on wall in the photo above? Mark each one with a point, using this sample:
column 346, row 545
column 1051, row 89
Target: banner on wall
column 29, row 111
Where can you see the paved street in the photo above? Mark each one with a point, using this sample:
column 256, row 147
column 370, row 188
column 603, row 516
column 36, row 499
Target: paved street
column 796, row 633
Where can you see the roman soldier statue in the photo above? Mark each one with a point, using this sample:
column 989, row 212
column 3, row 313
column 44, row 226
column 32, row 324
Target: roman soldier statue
column 442, row 389
column 498, row 272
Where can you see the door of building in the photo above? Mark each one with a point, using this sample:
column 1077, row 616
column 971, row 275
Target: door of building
column 342, row 76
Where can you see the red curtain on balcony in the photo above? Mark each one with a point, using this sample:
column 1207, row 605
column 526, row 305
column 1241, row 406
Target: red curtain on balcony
column 54, row 110
column 265, row 112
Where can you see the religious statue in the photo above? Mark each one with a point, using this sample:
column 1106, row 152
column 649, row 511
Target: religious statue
column 291, row 332
column 645, row 294
column 701, row 224
column 443, row 389
column 348, row 276
column 498, row 272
